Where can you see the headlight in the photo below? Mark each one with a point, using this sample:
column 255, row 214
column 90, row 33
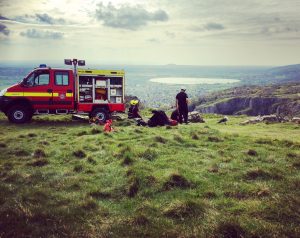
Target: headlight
column 2, row 92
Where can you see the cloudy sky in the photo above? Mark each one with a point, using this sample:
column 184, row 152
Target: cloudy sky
column 189, row 32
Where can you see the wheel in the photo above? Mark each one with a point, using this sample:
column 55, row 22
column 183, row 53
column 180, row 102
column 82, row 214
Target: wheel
column 100, row 113
column 19, row 114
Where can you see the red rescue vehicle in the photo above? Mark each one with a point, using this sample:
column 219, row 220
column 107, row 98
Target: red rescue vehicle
column 48, row 90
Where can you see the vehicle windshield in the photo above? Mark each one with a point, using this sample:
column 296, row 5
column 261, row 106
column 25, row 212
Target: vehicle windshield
column 39, row 77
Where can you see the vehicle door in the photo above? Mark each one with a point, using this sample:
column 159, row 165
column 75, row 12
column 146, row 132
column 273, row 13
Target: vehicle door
column 63, row 89
column 36, row 87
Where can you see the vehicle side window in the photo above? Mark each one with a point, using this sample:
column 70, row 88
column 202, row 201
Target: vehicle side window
column 42, row 79
column 62, row 78
column 38, row 78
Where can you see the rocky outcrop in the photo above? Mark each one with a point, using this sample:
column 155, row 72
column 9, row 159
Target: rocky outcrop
column 252, row 106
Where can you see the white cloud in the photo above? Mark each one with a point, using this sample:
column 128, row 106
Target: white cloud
column 128, row 17
column 40, row 34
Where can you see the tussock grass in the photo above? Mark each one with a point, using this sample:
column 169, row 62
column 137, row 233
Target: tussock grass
column 39, row 153
column 252, row 152
column 149, row 154
column 185, row 209
column 214, row 139
column 81, row 133
column 262, row 174
column 140, row 220
column 100, row 195
column 21, row 153
column 3, row 145
column 134, row 184
column 79, row 154
column 39, row 163
column 78, row 168
column 91, row 160
column 95, row 131
column 230, row 229
column 160, row 139
column 176, row 180
column 127, row 159
column 31, row 135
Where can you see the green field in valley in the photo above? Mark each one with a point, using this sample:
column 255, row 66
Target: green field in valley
column 64, row 178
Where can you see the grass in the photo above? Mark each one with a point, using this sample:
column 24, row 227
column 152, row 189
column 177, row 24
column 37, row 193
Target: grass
column 61, row 178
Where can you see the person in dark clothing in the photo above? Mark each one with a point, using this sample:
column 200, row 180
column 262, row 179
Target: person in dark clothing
column 159, row 118
column 175, row 115
column 133, row 111
column 182, row 105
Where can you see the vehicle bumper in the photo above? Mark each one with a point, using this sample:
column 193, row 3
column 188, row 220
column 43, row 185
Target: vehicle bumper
column 4, row 101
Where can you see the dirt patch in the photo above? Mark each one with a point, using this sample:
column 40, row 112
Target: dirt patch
column 214, row 139
column 39, row 153
column 44, row 143
column 150, row 180
column 160, row 139
column 262, row 174
column 78, row 168
column 3, row 145
column 252, row 152
column 264, row 142
column 186, row 209
column 176, row 181
column 91, row 160
column 127, row 160
column 140, row 220
column 89, row 205
column 296, row 165
column 39, row 163
column 79, row 154
column 100, row 195
column 133, row 188
column 32, row 135
column 20, row 153
column 230, row 229
column 210, row 195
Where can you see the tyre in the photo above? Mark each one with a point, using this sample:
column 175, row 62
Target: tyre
column 100, row 113
column 19, row 114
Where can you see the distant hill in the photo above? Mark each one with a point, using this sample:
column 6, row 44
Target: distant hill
column 285, row 73
column 3, row 18
column 282, row 74
column 253, row 100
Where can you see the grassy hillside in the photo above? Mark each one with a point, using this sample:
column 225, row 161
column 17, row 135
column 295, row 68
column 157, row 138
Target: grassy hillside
column 60, row 178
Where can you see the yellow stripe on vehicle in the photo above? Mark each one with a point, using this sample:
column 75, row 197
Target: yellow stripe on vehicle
column 27, row 94
column 14, row 94
column 34, row 94
column 37, row 94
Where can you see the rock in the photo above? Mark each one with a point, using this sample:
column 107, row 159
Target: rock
column 270, row 118
column 252, row 121
column 195, row 116
column 296, row 120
